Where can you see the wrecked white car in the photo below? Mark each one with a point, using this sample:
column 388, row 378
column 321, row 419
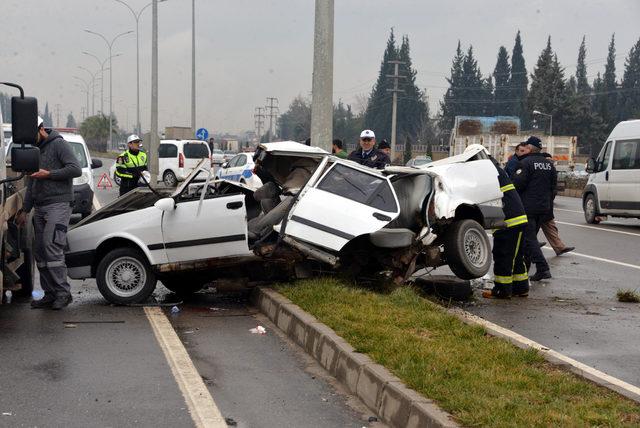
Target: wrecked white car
column 314, row 211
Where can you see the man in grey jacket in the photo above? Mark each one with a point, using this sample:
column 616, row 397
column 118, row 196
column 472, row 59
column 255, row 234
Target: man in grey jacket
column 50, row 192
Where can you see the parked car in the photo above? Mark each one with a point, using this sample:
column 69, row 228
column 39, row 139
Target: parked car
column 228, row 154
column 217, row 157
column 419, row 160
column 240, row 169
column 178, row 158
column 316, row 209
column 613, row 188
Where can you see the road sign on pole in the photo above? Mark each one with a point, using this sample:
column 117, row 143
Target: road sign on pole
column 202, row 134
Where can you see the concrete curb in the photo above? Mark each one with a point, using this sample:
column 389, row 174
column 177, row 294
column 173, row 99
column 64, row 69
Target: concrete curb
column 623, row 388
column 379, row 390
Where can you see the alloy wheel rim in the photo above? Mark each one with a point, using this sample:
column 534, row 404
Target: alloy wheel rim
column 126, row 276
column 474, row 248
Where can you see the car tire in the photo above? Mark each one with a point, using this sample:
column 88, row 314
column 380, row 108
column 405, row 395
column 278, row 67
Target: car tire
column 169, row 179
column 590, row 208
column 184, row 286
column 467, row 249
column 124, row 276
column 117, row 180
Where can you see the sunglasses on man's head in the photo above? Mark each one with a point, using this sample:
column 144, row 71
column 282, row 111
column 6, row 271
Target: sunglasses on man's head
column 366, row 139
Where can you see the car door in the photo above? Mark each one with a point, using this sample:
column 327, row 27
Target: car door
column 624, row 178
column 197, row 228
column 345, row 203
column 600, row 177
column 233, row 170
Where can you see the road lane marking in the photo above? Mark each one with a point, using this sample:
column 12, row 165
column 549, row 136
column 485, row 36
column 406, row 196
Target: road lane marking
column 598, row 228
column 600, row 259
column 569, row 211
column 203, row 409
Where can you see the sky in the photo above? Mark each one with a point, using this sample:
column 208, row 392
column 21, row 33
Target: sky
column 248, row 50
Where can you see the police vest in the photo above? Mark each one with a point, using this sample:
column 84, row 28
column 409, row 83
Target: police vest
column 127, row 163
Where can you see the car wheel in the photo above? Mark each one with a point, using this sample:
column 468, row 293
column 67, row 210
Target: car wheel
column 590, row 208
column 184, row 285
column 117, row 180
column 169, row 179
column 124, row 276
column 467, row 249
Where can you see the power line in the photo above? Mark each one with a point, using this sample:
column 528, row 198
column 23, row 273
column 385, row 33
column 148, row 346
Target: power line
column 274, row 111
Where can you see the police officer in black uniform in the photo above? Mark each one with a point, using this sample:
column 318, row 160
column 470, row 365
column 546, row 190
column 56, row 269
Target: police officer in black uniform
column 536, row 180
column 509, row 269
column 367, row 154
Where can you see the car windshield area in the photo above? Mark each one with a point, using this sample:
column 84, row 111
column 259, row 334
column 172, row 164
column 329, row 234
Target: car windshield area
column 196, row 151
column 80, row 154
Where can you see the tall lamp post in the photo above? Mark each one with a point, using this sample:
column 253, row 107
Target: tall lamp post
column 550, row 120
column 110, row 45
column 101, row 64
column 93, row 90
column 85, row 89
column 136, row 16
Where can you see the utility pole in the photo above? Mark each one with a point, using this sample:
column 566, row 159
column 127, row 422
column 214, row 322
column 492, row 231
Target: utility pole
column 57, row 107
column 154, row 143
column 259, row 121
column 322, row 85
column 271, row 107
column 394, row 111
column 193, row 67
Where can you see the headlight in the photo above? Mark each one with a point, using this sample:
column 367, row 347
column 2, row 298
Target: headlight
column 85, row 178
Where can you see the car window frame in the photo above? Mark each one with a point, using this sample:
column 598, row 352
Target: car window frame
column 82, row 149
column 602, row 161
column 618, row 148
column 175, row 146
column 193, row 143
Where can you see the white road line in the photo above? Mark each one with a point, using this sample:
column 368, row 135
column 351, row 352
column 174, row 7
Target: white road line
column 569, row 211
column 598, row 228
column 600, row 259
column 203, row 409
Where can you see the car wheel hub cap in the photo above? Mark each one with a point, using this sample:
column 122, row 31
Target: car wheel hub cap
column 474, row 248
column 126, row 276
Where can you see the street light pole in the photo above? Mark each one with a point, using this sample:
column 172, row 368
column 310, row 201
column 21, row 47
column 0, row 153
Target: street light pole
column 101, row 64
column 154, row 143
column 86, row 84
column 93, row 88
column 550, row 120
column 193, row 67
column 110, row 45
column 322, row 82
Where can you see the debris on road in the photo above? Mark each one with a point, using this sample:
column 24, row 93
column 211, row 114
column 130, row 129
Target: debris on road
column 628, row 296
column 175, row 310
column 69, row 325
column 258, row 330
column 230, row 422
column 7, row 414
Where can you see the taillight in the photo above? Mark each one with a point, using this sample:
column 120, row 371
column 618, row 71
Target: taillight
column 181, row 161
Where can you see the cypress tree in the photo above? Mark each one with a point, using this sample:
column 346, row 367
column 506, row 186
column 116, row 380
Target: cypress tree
column 71, row 121
column 582, row 84
column 630, row 91
column 608, row 105
column 378, row 114
column 519, row 84
column 547, row 92
column 46, row 117
column 501, row 76
column 450, row 105
column 411, row 103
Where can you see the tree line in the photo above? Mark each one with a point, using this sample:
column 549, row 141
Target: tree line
column 579, row 106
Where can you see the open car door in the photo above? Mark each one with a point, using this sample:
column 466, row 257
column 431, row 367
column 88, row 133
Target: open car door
column 346, row 202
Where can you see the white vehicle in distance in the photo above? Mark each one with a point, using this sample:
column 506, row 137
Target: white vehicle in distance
column 178, row 158
column 228, row 154
column 240, row 169
column 419, row 160
column 613, row 188
column 217, row 157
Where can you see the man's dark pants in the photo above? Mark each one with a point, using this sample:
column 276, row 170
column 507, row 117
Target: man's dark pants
column 51, row 222
column 533, row 252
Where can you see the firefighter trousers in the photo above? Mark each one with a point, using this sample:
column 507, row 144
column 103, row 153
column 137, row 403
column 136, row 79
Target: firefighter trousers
column 509, row 269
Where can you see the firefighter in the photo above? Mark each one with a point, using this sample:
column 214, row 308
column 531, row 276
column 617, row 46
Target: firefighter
column 509, row 269
column 130, row 164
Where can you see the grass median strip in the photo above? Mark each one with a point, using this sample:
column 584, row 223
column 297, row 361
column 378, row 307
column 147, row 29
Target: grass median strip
column 481, row 380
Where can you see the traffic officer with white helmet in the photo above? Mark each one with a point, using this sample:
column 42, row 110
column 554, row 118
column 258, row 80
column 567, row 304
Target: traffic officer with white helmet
column 509, row 269
column 130, row 164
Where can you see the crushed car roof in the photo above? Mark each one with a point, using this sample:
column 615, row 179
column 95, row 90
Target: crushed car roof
column 292, row 147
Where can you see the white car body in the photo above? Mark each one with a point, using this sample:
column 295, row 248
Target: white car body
column 613, row 187
column 178, row 158
column 327, row 208
column 217, row 157
column 240, row 169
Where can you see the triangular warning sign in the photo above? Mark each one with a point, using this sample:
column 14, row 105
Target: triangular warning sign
column 104, row 181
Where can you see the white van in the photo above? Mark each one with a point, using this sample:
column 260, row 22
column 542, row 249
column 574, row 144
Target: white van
column 83, row 186
column 177, row 158
column 613, row 188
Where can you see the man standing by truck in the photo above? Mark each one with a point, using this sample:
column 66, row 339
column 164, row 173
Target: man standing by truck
column 50, row 192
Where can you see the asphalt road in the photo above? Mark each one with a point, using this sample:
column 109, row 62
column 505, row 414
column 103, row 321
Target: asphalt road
column 577, row 312
column 94, row 364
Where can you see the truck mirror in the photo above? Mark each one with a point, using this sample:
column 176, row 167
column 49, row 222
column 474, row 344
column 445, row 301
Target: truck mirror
column 591, row 166
column 25, row 159
column 24, row 120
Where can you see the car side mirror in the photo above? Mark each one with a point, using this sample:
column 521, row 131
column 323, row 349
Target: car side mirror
column 96, row 163
column 165, row 204
column 25, row 159
column 591, row 166
column 24, row 120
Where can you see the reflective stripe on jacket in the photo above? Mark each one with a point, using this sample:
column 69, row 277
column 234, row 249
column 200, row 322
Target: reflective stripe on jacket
column 129, row 165
column 514, row 214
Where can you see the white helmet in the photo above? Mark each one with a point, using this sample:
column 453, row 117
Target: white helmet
column 133, row 137
column 476, row 148
column 40, row 121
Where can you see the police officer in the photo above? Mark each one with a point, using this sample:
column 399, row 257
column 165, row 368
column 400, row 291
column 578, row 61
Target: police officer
column 367, row 154
column 130, row 164
column 509, row 269
column 535, row 179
